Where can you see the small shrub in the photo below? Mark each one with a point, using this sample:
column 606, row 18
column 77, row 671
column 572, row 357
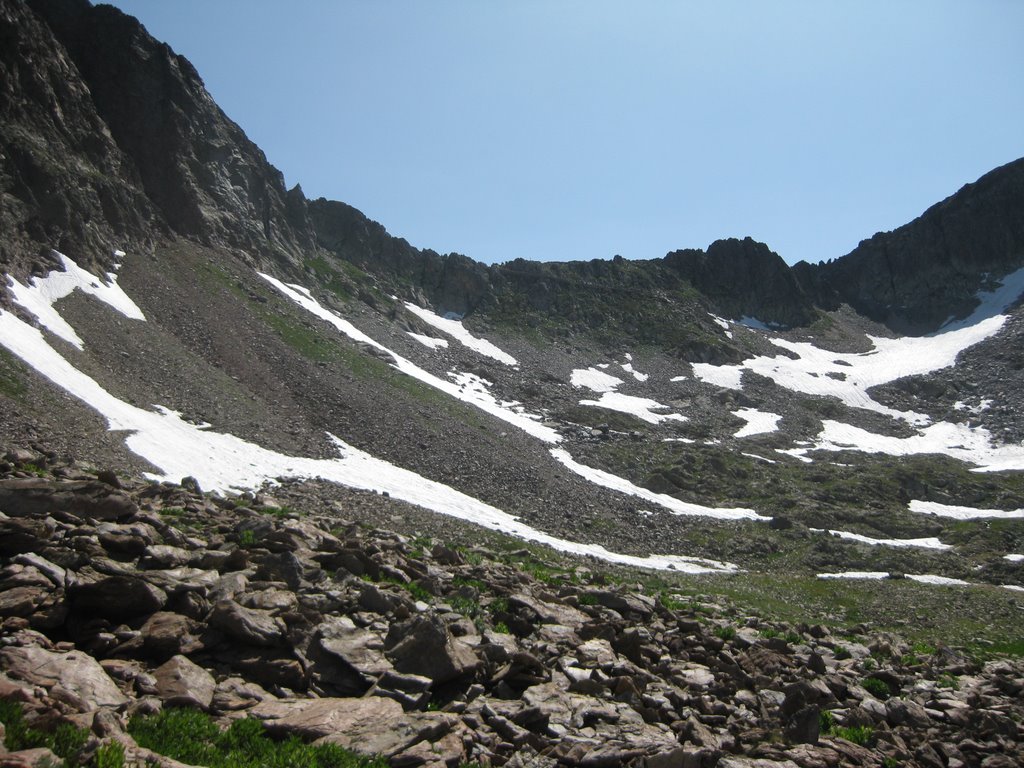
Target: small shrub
column 502, row 628
column 467, row 606
column 793, row 638
column 826, row 721
column 109, row 755
column 725, row 633
column 247, row 538
column 861, row 735
column 890, row 762
column 869, row 663
column 876, row 687
column 588, row 599
column 948, row 681
column 842, row 652
column 768, row 633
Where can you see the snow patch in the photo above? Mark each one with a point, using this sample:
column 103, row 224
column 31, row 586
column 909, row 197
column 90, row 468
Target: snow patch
column 991, row 303
column 922, row 578
column 594, row 379
column 642, row 407
column 725, row 376
column 930, row 542
column 758, row 422
column 672, row 504
column 962, row 513
column 455, row 329
column 1014, row 558
column 429, row 341
column 959, row 441
column 39, row 296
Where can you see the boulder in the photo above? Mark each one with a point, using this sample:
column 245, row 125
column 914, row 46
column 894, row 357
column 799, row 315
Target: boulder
column 181, row 683
column 73, row 672
column 423, row 646
column 116, row 597
column 246, row 625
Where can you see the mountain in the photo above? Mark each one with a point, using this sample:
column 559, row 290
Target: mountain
column 841, row 443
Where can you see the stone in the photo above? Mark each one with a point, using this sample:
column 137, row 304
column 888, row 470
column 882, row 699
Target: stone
column 116, row 597
column 246, row 625
column 181, row 683
column 423, row 646
column 75, row 672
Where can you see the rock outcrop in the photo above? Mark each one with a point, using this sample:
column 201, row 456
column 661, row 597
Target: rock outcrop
column 918, row 276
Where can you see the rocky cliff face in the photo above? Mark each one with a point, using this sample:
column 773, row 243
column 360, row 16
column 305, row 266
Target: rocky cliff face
column 917, row 276
column 745, row 278
column 64, row 182
column 147, row 109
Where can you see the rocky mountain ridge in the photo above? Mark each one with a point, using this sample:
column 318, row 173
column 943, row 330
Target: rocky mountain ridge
column 138, row 113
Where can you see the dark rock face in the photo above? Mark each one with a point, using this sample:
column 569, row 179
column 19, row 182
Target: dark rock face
column 745, row 278
column 917, row 276
column 64, row 182
column 452, row 283
column 197, row 167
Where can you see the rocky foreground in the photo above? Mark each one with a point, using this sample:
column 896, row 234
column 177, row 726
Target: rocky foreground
column 120, row 598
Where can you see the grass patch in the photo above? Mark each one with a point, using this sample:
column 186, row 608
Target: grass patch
column 66, row 741
column 192, row 737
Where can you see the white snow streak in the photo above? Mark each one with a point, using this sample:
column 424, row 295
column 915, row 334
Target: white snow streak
column 962, row 513
column 930, row 542
column 528, row 424
column 1014, row 558
column 969, row 444
column 455, row 329
column 40, row 294
column 642, row 407
column 429, row 341
column 673, row 505
column 922, row 578
column 758, row 422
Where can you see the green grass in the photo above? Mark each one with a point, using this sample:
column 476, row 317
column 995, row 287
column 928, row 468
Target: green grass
column 862, row 735
column 192, row 737
column 65, row 741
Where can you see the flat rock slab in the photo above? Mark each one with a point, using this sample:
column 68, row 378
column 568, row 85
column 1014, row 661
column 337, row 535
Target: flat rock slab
column 75, row 672
column 371, row 726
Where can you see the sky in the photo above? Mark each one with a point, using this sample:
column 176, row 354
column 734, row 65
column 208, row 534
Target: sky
column 581, row 129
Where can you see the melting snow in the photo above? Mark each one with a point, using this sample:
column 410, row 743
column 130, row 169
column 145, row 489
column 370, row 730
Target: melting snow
column 930, row 542
column 429, row 341
column 721, row 321
column 970, row 444
column 482, row 400
column 759, row 458
column 758, row 422
column 672, row 504
column 595, row 380
column 725, row 376
column 642, row 407
column 1014, row 558
column 923, row 578
column 992, row 302
column 40, row 294
column 455, row 329
column 962, row 513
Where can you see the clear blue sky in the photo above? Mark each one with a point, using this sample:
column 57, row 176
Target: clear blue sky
column 555, row 130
